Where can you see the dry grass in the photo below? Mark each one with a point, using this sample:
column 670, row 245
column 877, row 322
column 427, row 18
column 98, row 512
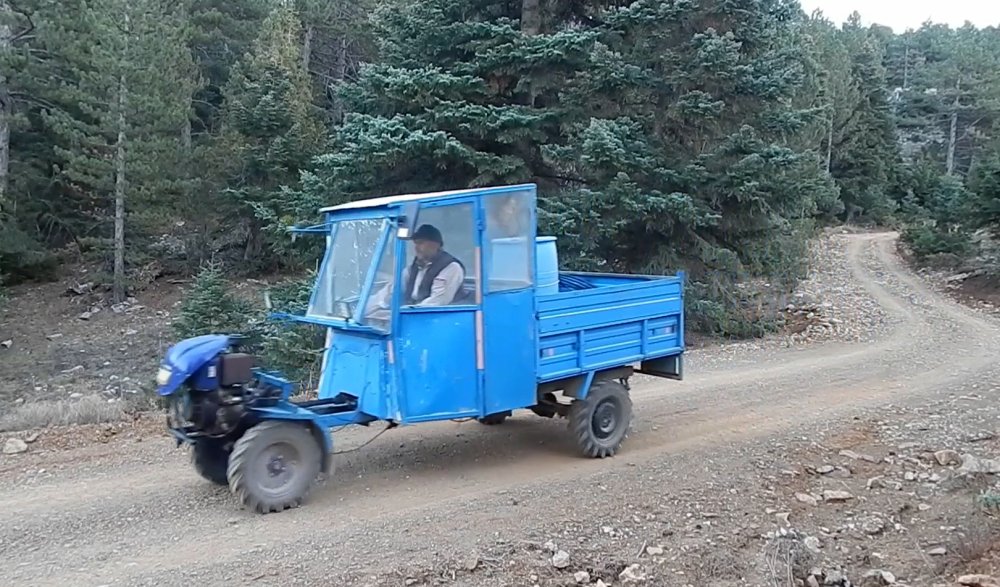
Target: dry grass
column 86, row 410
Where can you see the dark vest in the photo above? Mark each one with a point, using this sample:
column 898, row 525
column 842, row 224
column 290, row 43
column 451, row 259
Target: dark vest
column 442, row 260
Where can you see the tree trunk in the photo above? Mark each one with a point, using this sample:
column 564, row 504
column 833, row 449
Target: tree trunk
column 953, row 136
column 307, row 48
column 906, row 68
column 339, row 73
column 829, row 142
column 119, row 276
column 531, row 17
column 6, row 111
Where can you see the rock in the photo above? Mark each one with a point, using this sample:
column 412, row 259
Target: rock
column 826, row 469
column 836, row 578
column 878, row 579
column 923, row 507
column 581, row 577
column 947, row 457
column 14, row 446
column 560, row 560
column 833, row 495
column 910, row 476
column 971, row 464
column 550, row 546
column 876, row 483
column 472, row 563
column 872, row 525
column 806, row 498
column 812, row 543
column 54, row 336
column 85, row 316
column 600, row 584
column 981, row 436
column 909, row 445
column 7, row 343
column 75, row 395
column 812, row 581
column 654, row 550
column 858, row 456
column 783, row 518
column 32, row 437
column 19, row 401
column 632, row 574
column 939, row 551
column 978, row 581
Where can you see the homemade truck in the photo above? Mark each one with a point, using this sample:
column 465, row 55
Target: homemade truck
column 500, row 328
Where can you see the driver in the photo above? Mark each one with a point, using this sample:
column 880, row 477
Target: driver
column 433, row 279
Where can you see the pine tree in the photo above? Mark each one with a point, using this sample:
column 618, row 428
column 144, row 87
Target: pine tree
column 272, row 132
column 118, row 127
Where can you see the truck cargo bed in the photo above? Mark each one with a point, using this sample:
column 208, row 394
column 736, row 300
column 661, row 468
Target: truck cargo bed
column 601, row 320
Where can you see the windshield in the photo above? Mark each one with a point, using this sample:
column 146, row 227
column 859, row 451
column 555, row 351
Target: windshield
column 345, row 268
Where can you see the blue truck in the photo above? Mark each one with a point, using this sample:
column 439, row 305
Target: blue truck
column 436, row 306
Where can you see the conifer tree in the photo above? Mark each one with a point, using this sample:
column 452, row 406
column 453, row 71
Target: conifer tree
column 272, row 132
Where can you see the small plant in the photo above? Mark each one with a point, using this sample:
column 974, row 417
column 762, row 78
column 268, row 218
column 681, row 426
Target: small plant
column 210, row 308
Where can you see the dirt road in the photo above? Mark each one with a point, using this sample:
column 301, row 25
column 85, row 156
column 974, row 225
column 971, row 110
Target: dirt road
column 134, row 513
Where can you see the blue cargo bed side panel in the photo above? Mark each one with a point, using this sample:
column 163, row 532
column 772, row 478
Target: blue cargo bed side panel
column 619, row 322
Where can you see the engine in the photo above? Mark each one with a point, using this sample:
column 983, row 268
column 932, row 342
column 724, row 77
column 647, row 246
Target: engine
column 219, row 394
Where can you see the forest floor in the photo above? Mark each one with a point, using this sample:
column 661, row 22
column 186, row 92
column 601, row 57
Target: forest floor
column 858, row 448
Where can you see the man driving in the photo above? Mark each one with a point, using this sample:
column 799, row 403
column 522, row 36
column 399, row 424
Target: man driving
column 433, row 279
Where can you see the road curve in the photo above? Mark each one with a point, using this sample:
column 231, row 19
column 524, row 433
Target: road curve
column 134, row 513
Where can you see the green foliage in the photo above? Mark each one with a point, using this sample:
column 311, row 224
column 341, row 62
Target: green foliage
column 211, row 308
column 21, row 258
column 705, row 136
column 272, row 132
column 295, row 349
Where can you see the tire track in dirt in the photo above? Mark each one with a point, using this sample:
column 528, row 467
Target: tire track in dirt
column 158, row 519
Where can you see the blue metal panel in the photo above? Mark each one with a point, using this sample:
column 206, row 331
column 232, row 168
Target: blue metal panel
column 510, row 350
column 356, row 365
column 619, row 322
column 189, row 355
column 435, row 361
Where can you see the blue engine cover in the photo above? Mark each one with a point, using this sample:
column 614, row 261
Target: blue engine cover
column 195, row 356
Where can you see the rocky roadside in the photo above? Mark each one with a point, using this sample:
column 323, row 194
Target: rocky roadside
column 909, row 497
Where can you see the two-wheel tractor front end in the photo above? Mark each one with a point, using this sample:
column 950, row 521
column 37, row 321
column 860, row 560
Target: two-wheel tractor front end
column 273, row 466
column 600, row 422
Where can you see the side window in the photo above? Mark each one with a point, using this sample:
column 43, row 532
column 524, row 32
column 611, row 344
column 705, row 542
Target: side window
column 509, row 247
column 456, row 225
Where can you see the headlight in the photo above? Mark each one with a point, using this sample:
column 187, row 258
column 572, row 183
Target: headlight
column 163, row 376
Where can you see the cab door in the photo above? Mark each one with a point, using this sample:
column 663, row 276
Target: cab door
column 510, row 325
column 437, row 360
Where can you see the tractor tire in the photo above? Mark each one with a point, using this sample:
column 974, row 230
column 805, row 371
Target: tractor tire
column 274, row 452
column 211, row 460
column 600, row 422
column 495, row 419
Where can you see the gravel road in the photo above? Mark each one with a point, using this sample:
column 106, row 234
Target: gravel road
column 461, row 503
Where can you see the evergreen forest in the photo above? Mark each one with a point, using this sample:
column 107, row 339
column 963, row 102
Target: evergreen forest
column 179, row 139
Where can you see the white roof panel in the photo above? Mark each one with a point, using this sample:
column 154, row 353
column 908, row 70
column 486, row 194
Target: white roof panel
column 399, row 199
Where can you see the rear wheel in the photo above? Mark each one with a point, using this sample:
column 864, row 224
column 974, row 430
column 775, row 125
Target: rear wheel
column 601, row 421
column 274, row 465
column 210, row 459
column 495, row 419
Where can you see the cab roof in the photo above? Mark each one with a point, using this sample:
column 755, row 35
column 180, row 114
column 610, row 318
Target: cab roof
column 389, row 201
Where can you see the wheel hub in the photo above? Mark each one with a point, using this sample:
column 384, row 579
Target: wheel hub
column 280, row 462
column 605, row 419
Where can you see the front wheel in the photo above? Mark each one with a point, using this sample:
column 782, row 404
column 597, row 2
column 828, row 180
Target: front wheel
column 600, row 422
column 273, row 466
